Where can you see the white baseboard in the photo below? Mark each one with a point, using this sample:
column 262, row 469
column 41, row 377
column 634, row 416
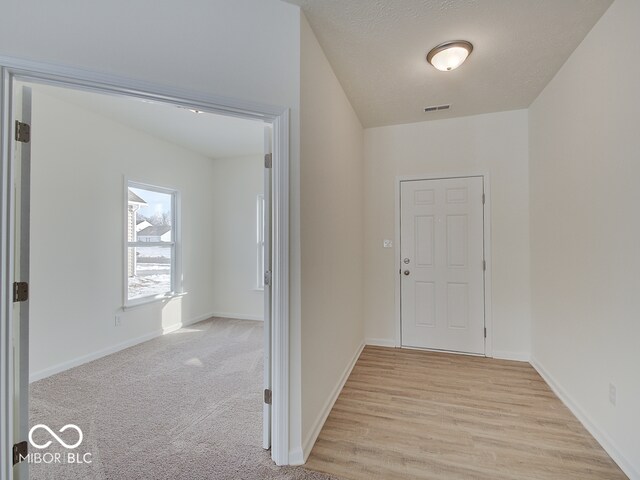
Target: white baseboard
column 298, row 456
column 238, row 316
column 602, row 438
column 75, row 362
column 380, row 342
column 517, row 356
column 61, row 367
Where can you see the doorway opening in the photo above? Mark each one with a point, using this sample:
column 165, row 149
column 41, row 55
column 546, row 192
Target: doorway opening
column 156, row 267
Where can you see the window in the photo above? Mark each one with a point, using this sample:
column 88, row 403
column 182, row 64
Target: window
column 151, row 235
column 260, row 240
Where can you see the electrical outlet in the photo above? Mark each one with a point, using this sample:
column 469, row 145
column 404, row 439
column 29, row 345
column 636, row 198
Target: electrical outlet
column 387, row 244
column 612, row 394
column 118, row 321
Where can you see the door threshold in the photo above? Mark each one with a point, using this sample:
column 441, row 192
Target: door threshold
column 436, row 350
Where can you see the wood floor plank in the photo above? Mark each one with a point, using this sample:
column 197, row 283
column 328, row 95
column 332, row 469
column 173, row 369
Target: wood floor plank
column 408, row 414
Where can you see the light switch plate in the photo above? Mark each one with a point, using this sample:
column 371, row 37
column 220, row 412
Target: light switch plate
column 387, row 244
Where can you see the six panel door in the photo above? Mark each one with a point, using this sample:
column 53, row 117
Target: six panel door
column 441, row 258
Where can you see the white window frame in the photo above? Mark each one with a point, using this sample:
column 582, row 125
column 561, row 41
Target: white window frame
column 260, row 216
column 174, row 244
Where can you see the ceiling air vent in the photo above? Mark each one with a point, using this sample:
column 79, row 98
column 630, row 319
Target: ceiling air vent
column 436, row 108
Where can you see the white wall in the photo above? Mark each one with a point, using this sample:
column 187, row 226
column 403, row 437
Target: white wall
column 235, row 186
column 215, row 46
column 77, row 233
column 585, row 229
column 331, row 233
column 244, row 49
column 493, row 143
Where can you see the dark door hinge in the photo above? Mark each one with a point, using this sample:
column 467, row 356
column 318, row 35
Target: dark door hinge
column 268, row 160
column 483, row 199
column 485, row 332
column 23, row 132
column 267, row 277
column 20, row 452
column 267, row 396
column 20, row 291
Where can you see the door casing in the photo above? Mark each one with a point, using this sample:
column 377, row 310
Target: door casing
column 35, row 72
column 487, row 251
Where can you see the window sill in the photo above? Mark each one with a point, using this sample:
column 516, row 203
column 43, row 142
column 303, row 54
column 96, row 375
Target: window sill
column 148, row 300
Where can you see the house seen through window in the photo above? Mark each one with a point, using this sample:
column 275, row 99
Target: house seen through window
column 151, row 242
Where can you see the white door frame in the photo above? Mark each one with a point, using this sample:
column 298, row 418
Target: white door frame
column 14, row 68
column 488, row 344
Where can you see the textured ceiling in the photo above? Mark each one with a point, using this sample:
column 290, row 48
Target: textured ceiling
column 214, row 136
column 378, row 47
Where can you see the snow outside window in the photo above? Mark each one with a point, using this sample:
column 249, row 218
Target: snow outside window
column 151, row 242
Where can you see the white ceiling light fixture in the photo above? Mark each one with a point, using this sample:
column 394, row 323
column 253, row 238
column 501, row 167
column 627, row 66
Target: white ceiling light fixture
column 449, row 55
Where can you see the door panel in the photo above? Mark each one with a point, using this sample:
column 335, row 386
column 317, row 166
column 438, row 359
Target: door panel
column 266, row 225
column 425, row 240
column 425, row 296
column 20, row 319
column 442, row 252
column 458, row 305
column 457, row 237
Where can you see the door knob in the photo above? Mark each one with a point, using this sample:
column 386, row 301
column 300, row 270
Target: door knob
column 407, row 272
column 406, row 260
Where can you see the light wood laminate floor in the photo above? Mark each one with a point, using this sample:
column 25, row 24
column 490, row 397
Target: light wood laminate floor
column 407, row 414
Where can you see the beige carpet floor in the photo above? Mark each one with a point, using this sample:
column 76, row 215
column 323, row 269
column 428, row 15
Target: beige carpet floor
column 187, row 405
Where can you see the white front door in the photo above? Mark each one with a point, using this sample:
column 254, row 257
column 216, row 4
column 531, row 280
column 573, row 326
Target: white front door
column 442, row 264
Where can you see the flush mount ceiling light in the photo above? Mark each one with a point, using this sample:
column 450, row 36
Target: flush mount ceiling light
column 449, row 55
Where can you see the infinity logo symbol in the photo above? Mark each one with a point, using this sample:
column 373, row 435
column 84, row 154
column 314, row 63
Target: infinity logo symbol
column 60, row 441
